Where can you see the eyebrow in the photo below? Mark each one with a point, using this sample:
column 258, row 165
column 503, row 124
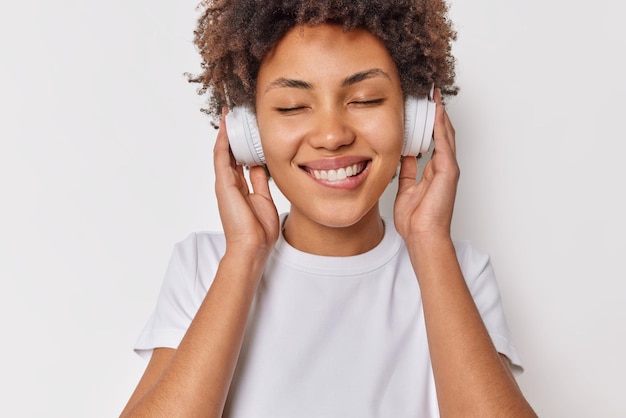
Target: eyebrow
column 364, row 75
column 289, row 82
column 348, row 81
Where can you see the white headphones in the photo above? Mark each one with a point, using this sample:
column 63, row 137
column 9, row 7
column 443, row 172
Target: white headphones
column 245, row 141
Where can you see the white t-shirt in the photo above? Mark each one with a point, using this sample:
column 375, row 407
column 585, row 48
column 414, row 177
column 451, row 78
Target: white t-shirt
column 327, row 336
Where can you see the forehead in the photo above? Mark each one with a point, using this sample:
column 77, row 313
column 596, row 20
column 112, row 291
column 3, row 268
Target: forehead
column 324, row 51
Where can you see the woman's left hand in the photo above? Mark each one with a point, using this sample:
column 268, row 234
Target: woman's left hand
column 425, row 208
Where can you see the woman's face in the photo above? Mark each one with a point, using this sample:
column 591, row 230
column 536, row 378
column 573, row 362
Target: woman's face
column 330, row 113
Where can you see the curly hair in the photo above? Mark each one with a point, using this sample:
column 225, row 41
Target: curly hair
column 233, row 37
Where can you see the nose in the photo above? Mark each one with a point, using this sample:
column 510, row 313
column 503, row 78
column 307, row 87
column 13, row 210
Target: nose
column 331, row 131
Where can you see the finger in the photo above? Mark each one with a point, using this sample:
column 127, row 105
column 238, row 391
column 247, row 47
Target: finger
column 221, row 150
column 224, row 161
column 443, row 131
column 260, row 182
column 408, row 173
column 449, row 129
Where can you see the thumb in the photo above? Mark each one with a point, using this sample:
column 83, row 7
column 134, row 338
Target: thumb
column 408, row 173
column 260, row 182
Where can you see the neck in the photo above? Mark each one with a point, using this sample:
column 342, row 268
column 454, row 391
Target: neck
column 311, row 237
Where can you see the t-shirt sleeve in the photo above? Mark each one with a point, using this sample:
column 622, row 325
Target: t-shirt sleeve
column 177, row 303
column 481, row 280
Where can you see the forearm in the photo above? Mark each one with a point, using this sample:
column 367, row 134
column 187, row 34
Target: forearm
column 197, row 379
column 470, row 377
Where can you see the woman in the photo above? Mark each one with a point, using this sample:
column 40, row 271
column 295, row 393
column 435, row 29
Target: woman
column 329, row 310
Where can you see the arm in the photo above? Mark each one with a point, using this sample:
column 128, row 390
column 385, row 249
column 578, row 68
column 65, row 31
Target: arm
column 194, row 379
column 471, row 377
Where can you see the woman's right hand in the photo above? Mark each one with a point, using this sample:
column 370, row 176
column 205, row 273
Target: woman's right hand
column 250, row 219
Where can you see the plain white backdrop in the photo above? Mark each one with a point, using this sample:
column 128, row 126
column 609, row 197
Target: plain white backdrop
column 105, row 162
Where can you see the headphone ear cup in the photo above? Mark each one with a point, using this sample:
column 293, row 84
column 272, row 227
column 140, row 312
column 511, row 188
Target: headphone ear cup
column 243, row 136
column 419, row 122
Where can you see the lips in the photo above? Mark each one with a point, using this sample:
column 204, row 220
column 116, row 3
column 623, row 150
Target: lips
column 341, row 173
column 335, row 170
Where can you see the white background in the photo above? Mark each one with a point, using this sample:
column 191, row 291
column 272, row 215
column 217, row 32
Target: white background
column 105, row 162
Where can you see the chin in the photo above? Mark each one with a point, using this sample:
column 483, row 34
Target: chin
column 340, row 216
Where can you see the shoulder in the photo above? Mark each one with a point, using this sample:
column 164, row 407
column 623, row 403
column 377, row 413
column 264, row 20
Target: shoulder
column 475, row 264
column 469, row 256
column 478, row 272
column 189, row 274
column 196, row 243
column 198, row 255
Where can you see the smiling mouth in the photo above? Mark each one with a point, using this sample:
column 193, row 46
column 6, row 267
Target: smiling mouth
column 338, row 174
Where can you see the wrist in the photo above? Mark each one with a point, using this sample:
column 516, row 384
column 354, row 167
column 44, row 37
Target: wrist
column 428, row 241
column 245, row 262
column 430, row 250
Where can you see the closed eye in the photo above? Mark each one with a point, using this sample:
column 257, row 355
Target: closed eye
column 372, row 102
column 287, row 110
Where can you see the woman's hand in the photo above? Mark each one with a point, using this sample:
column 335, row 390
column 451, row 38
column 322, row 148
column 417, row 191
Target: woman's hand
column 471, row 378
column 424, row 209
column 250, row 220
column 194, row 379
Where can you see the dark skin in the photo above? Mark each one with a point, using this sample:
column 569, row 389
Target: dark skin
column 472, row 379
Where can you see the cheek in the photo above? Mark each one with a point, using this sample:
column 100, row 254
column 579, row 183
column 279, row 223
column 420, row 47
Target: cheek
column 280, row 143
column 385, row 133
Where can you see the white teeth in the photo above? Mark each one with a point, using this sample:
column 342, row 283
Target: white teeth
column 339, row 174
